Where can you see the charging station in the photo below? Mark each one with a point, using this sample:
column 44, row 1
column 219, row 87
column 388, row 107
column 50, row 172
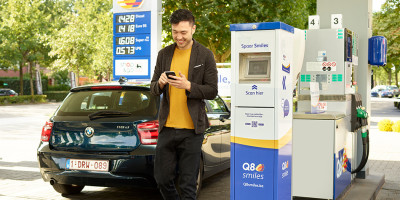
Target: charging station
column 261, row 135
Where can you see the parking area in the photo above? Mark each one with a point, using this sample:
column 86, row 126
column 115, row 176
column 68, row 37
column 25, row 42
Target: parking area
column 19, row 173
column 20, row 178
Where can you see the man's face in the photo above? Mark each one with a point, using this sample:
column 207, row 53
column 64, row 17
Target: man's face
column 182, row 34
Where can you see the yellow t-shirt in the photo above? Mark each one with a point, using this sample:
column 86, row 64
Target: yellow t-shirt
column 179, row 116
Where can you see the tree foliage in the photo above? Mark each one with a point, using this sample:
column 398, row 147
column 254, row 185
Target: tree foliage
column 213, row 18
column 76, row 35
column 84, row 45
column 387, row 23
column 21, row 33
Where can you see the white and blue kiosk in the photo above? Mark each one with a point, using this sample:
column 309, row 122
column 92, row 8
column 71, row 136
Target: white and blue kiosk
column 262, row 89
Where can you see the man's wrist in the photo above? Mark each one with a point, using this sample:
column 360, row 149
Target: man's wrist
column 188, row 86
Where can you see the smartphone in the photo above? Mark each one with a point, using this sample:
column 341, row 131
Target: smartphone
column 170, row 73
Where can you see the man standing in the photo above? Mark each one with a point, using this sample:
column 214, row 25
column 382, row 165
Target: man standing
column 182, row 117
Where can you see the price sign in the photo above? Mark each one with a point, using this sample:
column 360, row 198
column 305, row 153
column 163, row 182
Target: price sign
column 313, row 22
column 130, row 18
column 336, row 21
column 137, row 38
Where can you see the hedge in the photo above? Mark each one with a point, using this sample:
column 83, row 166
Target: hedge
column 14, row 84
column 56, row 95
column 23, row 99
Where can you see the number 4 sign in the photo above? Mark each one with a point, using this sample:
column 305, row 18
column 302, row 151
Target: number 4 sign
column 336, row 21
column 313, row 22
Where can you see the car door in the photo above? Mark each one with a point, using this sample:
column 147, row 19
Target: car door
column 221, row 120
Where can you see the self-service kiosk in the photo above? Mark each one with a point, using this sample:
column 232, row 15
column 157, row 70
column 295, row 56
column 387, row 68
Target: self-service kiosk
column 261, row 135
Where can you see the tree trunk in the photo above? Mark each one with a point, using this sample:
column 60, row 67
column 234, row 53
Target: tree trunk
column 39, row 89
column 30, row 67
column 21, row 78
column 77, row 76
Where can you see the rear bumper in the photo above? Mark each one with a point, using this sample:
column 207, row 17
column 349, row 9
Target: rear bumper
column 124, row 169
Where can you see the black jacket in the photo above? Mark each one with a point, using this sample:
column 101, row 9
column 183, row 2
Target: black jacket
column 203, row 76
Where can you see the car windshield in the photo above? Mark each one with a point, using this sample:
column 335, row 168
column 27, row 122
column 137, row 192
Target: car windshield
column 84, row 103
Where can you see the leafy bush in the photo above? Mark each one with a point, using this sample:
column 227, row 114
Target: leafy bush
column 385, row 125
column 13, row 83
column 59, row 88
column 56, row 95
column 23, row 99
column 396, row 126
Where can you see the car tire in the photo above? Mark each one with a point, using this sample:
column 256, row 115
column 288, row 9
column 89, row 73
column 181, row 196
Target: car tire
column 67, row 189
column 200, row 177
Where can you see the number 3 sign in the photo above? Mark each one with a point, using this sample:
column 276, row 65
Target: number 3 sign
column 336, row 21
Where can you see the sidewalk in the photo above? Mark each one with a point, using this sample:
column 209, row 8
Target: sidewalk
column 384, row 158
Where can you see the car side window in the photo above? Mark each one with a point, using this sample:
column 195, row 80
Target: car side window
column 217, row 106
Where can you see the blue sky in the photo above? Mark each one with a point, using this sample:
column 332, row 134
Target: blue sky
column 376, row 5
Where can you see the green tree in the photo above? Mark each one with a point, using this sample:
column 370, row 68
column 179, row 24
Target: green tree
column 23, row 32
column 213, row 18
column 21, row 21
column 386, row 23
column 84, row 45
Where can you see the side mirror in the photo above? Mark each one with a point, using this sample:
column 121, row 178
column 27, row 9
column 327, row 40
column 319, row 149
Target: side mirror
column 222, row 118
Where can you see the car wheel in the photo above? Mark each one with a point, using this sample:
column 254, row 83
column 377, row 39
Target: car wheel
column 200, row 177
column 67, row 189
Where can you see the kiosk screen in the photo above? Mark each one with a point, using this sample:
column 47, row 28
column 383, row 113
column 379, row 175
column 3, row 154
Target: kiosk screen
column 255, row 67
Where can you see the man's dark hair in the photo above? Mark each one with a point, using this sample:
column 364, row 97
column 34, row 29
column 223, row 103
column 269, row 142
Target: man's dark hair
column 181, row 15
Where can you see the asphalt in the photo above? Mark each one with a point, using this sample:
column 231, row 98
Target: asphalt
column 20, row 177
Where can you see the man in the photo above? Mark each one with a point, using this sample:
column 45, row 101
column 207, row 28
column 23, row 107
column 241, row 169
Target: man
column 182, row 117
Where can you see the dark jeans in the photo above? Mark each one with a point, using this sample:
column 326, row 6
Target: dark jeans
column 180, row 147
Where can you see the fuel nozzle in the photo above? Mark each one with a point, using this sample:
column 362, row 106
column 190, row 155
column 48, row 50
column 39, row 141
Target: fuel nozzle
column 361, row 113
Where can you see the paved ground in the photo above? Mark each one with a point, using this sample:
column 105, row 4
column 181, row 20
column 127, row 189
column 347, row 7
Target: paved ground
column 20, row 128
column 385, row 149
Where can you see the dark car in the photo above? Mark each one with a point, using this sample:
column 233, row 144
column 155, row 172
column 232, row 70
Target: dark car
column 385, row 93
column 394, row 89
column 374, row 93
column 380, row 92
column 7, row 92
column 106, row 135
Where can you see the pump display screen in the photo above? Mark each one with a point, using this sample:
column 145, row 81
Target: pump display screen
column 258, row 67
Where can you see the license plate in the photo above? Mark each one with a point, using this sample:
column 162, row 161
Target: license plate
column 89, row 165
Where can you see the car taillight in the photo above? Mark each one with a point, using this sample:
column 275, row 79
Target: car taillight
column 46, row 131
column 106, row 88
column 148, row 132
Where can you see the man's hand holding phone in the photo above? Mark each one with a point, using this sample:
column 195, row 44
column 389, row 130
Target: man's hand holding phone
column 176, row 81
column 169, row 74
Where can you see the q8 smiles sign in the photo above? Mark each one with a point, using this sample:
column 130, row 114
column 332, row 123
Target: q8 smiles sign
column 137, row 38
